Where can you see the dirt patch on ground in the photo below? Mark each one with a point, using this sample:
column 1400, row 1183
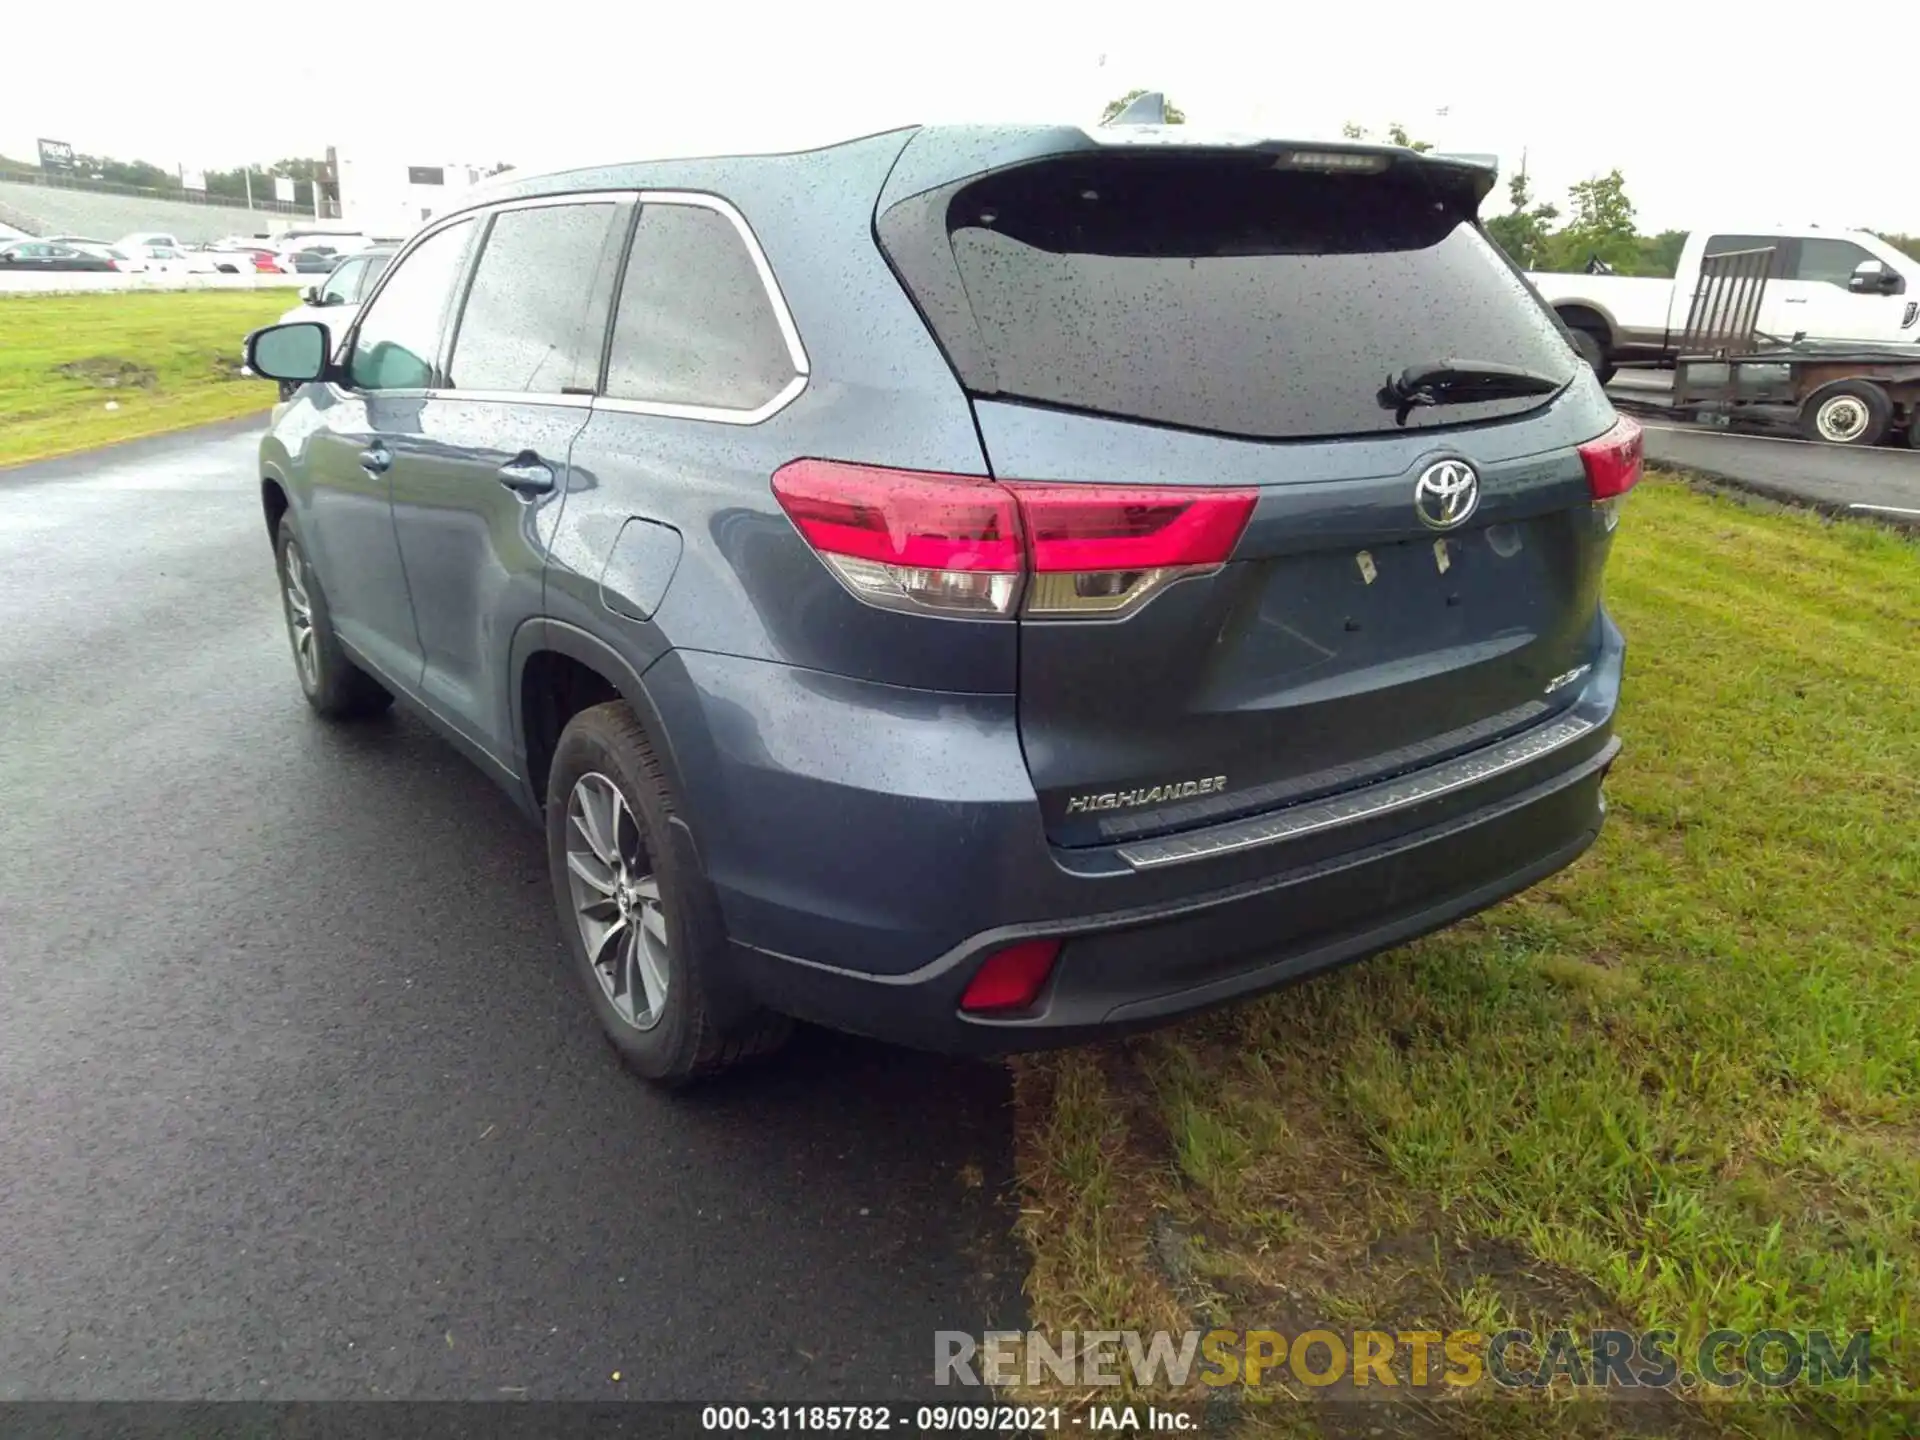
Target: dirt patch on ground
column 109, row 372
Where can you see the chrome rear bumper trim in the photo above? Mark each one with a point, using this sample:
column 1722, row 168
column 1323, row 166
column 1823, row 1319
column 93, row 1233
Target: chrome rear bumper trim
column 1355, row 806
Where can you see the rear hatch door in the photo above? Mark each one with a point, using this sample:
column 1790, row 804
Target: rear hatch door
column 1411, row 580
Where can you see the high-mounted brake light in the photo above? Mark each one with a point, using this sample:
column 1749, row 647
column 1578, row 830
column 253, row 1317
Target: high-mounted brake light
column 961, row 544
column 1341, row 161
column 1614, row 460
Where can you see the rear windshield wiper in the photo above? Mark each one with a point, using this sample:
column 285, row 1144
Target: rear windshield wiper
column 1460, row 382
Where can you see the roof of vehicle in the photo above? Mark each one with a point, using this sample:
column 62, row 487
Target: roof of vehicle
column 931, row 155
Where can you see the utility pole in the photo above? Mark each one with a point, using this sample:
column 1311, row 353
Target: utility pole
column 246, row 172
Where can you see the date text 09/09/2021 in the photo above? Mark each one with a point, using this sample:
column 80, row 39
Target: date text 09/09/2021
column 921, row 1419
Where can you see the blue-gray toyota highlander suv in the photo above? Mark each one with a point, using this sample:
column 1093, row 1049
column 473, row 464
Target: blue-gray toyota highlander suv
column 977, row 587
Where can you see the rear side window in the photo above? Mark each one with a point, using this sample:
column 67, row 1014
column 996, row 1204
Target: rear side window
column 523, row 328
column 1216, row 293
column 695, row 324
column 1727, row 244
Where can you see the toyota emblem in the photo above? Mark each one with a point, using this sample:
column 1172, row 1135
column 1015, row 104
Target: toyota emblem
column 1446, row 494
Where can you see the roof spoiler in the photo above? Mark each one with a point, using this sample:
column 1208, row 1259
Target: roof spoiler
column 1489, row 163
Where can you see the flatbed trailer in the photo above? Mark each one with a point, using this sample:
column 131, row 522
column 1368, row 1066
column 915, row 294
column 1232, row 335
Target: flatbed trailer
column 1839, row 392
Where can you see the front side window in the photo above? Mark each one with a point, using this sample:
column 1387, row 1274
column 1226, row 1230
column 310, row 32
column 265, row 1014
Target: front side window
column 370, row 276
column 343, row 284
column 695, row 324
column 524, row 326
column 399, row 335
column 1830, row 262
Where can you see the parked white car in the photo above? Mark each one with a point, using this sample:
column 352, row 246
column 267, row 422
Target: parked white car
column 319, row 237
column 1823, row 284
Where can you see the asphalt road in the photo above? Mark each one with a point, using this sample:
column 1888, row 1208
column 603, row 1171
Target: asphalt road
column 296, row 1098
column 1881, row 482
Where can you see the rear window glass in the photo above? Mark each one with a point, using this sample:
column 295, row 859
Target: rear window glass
column 1221, row 294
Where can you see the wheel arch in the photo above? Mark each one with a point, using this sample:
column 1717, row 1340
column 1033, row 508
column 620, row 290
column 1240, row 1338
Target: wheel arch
column 545, row 651
column 275, row 501
column 1585, row 315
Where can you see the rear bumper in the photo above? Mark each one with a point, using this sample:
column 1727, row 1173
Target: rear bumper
column 1131, row 970
column 870, row 847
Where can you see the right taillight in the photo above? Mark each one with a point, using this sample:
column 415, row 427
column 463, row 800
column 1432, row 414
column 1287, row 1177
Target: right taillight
column 965, row 545
column 1614, row 460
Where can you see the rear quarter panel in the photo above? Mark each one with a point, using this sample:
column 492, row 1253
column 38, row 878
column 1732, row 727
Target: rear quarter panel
column 878, row 392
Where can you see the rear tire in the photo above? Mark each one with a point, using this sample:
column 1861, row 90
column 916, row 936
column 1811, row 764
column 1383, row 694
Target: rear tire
column 627, row 891
column 1847, row 412
column 1592, row 348
column 335, row 687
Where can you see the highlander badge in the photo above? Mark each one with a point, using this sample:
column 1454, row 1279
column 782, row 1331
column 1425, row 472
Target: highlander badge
column 1146, row 795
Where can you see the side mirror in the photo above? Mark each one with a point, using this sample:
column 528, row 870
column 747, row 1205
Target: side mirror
column 295, row 353
column 1871, row 277
column 311, row 294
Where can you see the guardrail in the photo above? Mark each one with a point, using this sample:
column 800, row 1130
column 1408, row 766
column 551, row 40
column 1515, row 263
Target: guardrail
column 330, row 209
column 87, row 282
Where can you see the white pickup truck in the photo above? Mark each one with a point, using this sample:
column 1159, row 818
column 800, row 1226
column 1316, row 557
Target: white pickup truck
column 1823, row 285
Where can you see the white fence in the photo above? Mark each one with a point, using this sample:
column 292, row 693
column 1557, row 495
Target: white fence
column 82, row 282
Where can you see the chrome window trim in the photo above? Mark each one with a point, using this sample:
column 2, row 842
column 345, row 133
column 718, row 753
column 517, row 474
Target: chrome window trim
column 664, row 409
column 786, row 395
column 517, row 397
column 1311, row 817
column 782, row 315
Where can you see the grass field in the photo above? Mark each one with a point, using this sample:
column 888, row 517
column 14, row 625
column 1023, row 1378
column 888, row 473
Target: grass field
column 1676, row 1087
column 162, row 360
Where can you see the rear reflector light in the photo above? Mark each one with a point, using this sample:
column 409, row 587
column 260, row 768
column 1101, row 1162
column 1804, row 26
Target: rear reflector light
column 961, row 544
column 1614, row 460
column 1013, row 978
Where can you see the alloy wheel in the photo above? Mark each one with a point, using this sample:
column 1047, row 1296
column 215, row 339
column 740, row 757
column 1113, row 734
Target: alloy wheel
column 300, row 615
column 616, row 901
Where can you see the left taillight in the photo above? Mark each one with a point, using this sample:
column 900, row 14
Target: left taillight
column 966, row 545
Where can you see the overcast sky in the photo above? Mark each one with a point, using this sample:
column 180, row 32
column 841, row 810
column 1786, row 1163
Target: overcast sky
column 554, row 85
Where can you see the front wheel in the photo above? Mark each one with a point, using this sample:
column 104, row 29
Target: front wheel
column 639, row 923
column 334, row 686
column 1847, row 412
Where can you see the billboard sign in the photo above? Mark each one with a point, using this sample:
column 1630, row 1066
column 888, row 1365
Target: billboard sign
column 193, row 180
column 56, row 155
column 283, row 188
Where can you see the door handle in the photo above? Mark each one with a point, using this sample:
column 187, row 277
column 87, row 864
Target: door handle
column 1794, row 299
column 375, row 459
column 526, row 474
